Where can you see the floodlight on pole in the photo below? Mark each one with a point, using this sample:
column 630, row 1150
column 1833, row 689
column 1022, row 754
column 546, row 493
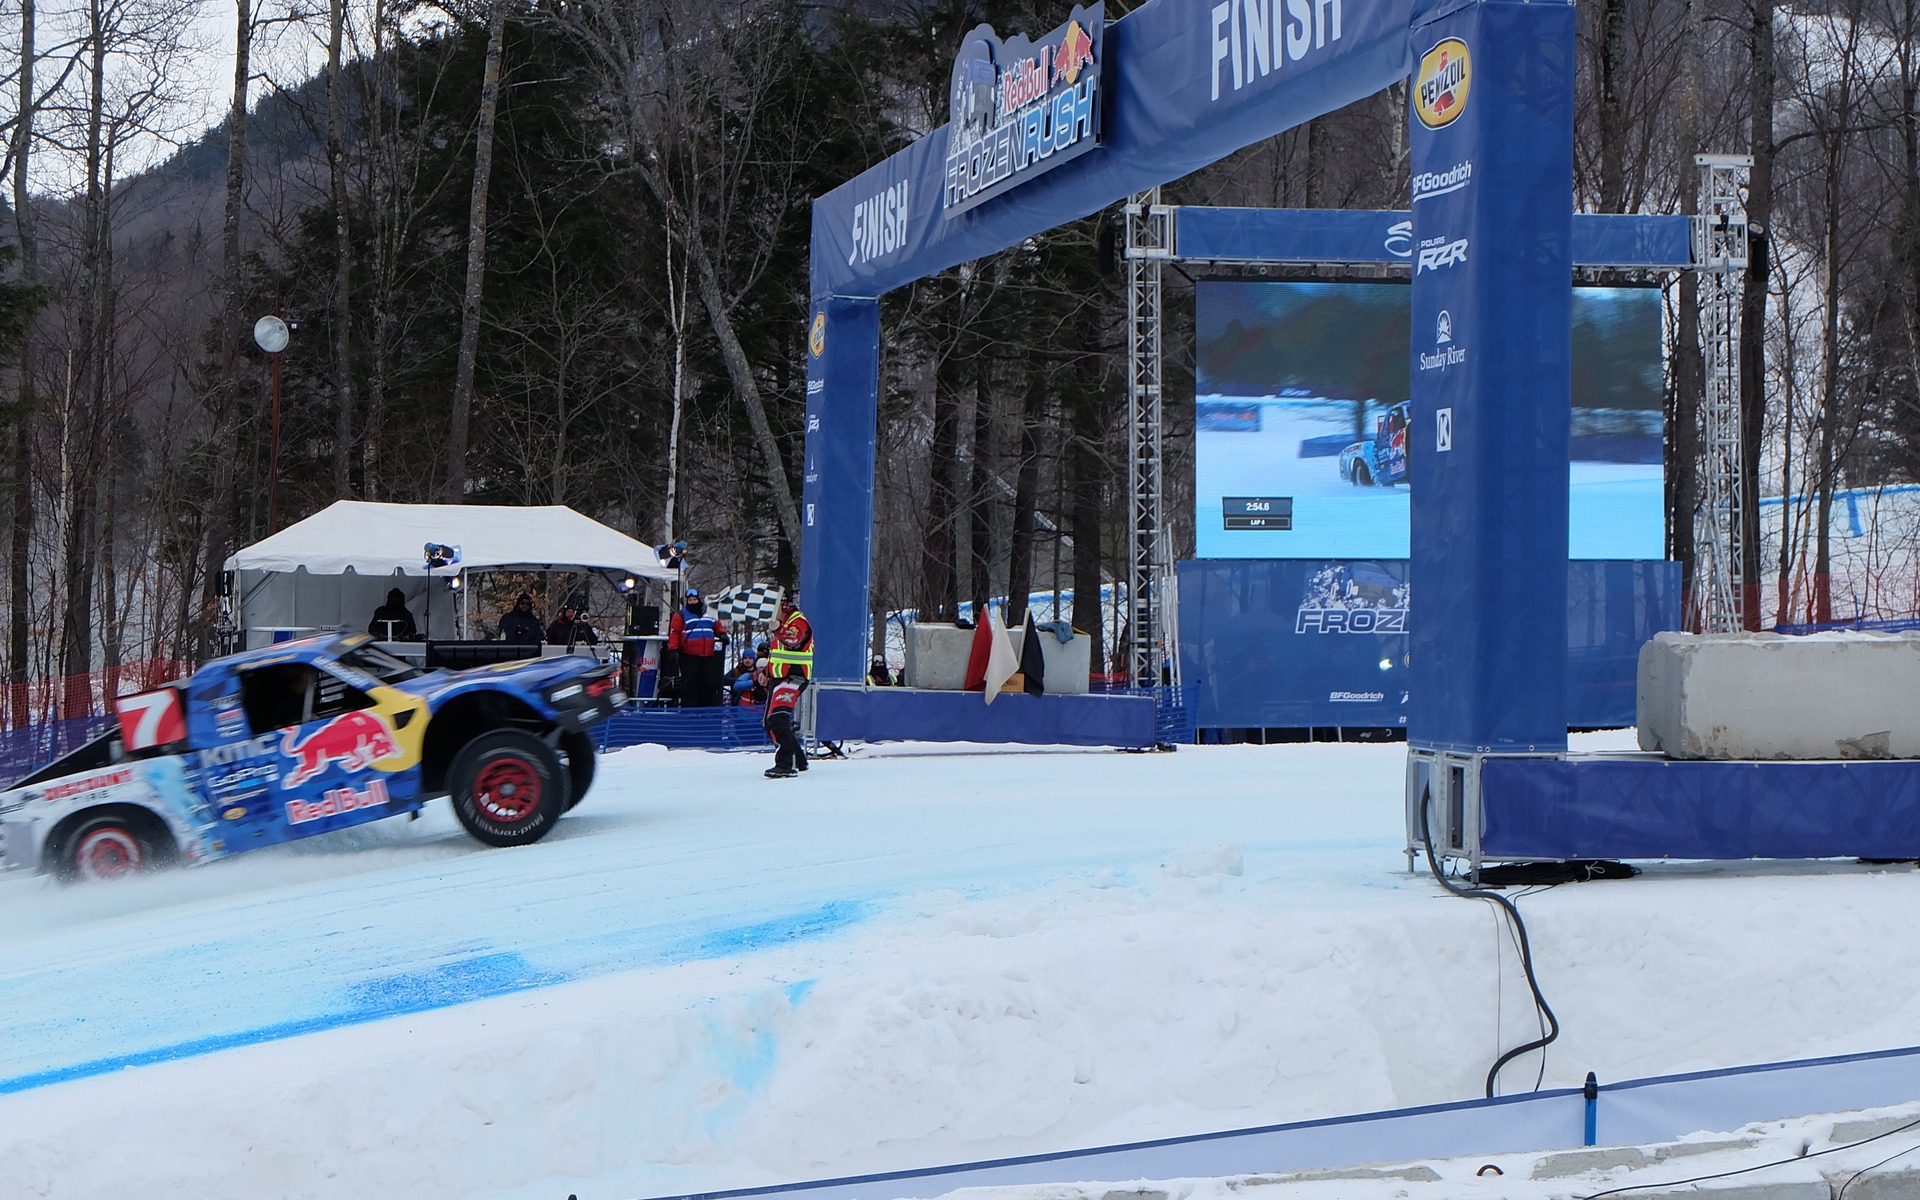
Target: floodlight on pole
column 272, row 334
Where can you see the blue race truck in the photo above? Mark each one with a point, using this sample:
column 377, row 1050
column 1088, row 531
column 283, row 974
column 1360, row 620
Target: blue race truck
column 1380, row 461
column 307, row 737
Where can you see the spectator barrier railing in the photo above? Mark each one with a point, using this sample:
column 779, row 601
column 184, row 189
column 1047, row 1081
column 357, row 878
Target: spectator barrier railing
column 740, row 728
column 1631, row 1112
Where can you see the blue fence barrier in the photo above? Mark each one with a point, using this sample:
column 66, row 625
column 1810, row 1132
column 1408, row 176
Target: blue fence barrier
column 740, row 729
column 1632, row 1112
column 686, row 729
column 25, row 750
column 1893, row 625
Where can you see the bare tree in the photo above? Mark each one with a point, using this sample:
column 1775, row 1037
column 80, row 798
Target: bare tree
column 666, row 102
column 476, row 257
column 20, row 449
column 342, row 306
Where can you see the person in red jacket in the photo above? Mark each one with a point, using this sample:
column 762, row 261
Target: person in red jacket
column 698, row 643
column 792, row 652
column 783, row 697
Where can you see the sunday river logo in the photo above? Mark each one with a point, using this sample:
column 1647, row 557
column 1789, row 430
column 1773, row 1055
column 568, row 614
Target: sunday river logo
column 1440, row 88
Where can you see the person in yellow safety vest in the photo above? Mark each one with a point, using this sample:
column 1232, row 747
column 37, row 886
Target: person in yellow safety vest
column 792, row 649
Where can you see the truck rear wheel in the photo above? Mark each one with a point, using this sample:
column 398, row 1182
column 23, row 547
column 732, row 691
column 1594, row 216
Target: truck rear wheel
column 109, row 847
column 508, row 788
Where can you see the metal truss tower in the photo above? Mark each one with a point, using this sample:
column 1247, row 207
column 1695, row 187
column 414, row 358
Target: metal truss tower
column 1720, row 257
column 1149, row 246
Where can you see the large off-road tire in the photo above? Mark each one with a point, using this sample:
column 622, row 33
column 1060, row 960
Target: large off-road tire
column 508, row 788
column 1362, row 477
column 578, row 749
column 112, row 846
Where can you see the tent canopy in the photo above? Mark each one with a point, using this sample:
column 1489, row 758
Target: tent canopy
column 389, row 539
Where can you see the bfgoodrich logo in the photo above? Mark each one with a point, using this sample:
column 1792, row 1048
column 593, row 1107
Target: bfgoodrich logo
column 1440, row 88
column 1428, row 184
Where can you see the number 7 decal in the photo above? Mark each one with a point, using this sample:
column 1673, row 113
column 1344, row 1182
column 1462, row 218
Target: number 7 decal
column 149, row 719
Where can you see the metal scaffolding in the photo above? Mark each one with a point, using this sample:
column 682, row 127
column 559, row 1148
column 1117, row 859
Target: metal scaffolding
column 1720, row 257
column 1149, row 245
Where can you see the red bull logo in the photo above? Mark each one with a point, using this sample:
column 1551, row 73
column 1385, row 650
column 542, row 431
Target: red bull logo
column 354, row 740
column 335, row 802
column 1075, row 52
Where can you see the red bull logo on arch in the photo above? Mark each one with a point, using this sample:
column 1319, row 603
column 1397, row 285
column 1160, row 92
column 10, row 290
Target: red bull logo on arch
column 1017, row 108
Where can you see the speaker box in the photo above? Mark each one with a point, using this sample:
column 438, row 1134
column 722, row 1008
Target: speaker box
column 646, row 621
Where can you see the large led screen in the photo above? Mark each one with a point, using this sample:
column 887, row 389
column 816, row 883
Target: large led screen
column 1301, row 414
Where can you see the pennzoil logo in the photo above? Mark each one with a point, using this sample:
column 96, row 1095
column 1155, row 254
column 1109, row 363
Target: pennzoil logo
column 817, row 336
column 1440, row 89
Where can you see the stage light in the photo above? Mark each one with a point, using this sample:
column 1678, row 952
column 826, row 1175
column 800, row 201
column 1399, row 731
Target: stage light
column 455, row 583
column 1386, row 664
column 628, row 584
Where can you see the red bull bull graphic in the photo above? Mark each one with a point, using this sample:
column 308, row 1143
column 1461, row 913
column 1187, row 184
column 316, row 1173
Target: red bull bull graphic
column 1019, row 108
column 355, row 740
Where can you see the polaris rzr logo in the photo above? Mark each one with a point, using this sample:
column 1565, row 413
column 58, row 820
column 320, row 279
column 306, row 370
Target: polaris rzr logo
column 1351, row 620
column 1445, row 254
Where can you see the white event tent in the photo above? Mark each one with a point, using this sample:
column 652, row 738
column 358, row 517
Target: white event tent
column 335, row 567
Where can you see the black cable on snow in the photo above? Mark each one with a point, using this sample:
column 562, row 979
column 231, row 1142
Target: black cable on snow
column 1520, row 935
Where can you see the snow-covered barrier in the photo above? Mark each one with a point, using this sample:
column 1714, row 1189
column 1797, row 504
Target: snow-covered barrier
column 1836, row 695
column 937, row 658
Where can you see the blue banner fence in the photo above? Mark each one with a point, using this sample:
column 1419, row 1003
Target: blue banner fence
column 739, row 728
column 1631, row 1112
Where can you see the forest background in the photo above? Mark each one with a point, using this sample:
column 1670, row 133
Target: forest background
column 555, row 253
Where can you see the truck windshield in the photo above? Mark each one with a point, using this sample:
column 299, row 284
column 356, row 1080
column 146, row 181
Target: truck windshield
column 379, row 664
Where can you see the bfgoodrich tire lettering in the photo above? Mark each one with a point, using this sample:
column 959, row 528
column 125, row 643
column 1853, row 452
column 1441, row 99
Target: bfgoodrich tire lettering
column 508, row 788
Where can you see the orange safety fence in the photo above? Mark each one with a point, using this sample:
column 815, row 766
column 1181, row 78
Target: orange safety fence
column 65, row 697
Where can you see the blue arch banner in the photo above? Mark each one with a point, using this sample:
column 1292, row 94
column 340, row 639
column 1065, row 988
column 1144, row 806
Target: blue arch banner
column 1179, row 84
column 1385, row 237
column 1186, row 83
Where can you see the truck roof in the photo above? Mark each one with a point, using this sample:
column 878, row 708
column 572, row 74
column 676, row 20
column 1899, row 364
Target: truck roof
column 329, row 642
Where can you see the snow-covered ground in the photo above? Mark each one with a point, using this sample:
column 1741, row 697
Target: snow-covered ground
column 706, row 979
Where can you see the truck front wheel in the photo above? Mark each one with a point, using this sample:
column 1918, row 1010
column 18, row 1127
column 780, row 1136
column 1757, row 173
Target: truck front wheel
column 508, row 788
column 578, row 747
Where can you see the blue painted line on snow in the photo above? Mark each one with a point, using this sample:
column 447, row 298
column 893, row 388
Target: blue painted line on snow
column 482, row 977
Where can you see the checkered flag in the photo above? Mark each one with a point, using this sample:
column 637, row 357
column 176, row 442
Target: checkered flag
column 756, row 602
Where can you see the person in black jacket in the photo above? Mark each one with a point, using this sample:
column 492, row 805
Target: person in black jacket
column 521, row 625
column 569, row 630
column 392, row 622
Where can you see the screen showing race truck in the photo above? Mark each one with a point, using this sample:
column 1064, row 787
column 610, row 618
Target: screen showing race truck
column 1302, row 421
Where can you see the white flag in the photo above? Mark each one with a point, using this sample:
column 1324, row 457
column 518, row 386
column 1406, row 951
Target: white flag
column 1002, row 662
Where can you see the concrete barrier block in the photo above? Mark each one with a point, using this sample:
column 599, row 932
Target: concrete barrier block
column 1598, row 1158
column 1883, row 1184
column 937, row 658
column 1840, row 695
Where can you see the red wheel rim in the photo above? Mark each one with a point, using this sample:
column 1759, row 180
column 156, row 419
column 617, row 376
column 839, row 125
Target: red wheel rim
column 507, row 790
column 110, row 853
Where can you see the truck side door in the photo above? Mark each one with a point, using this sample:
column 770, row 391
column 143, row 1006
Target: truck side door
column 327, row 736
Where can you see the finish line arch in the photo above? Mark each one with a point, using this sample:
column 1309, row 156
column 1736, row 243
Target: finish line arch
column 1183, row 83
